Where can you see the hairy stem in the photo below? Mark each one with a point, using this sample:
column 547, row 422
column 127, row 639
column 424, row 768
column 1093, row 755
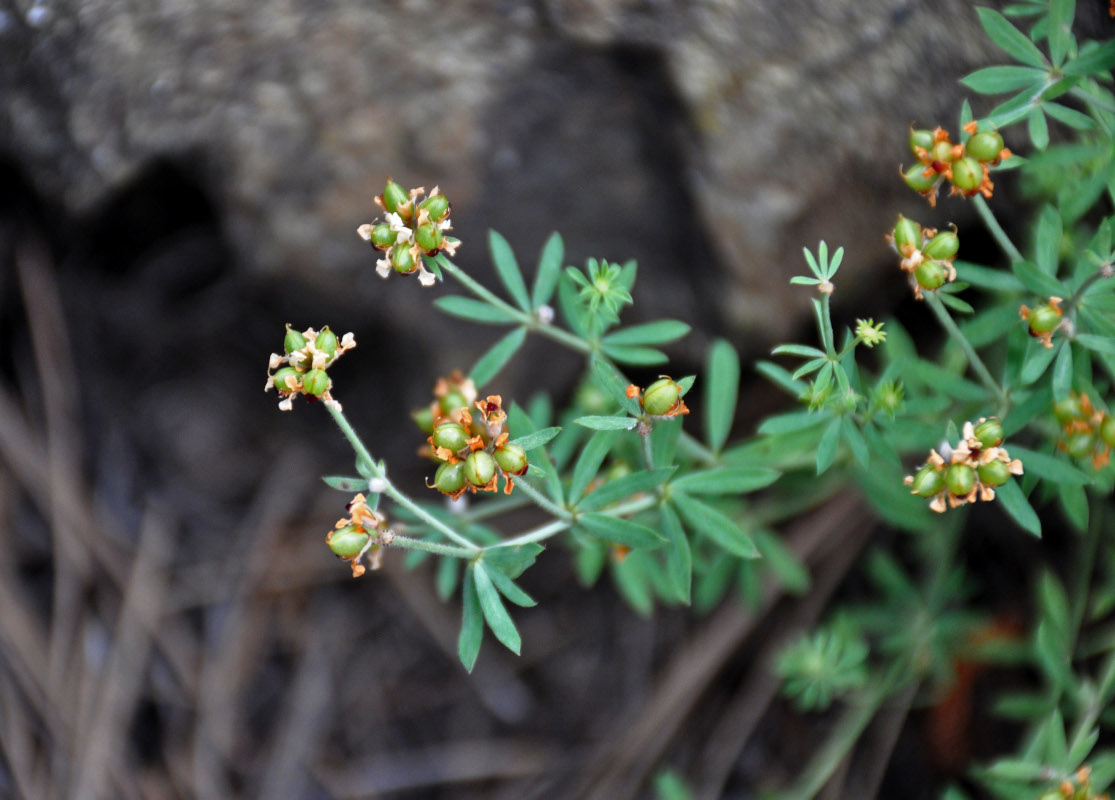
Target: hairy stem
column 974, row 360
column 408, row 543
column 996, row 229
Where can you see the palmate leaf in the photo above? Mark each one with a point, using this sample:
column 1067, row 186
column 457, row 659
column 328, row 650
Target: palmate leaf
column 999, row 80
column 1011, row 40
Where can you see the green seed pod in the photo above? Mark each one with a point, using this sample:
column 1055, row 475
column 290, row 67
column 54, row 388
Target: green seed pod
column 347, row 542
column 920, row 138
column 959, row 479
column 382, row 236
column 989, row 432
column 943, row 246
column 1068, row 409
column 917, row 180
column 985, row 145
column 1045, row 318
column 994, row 473
column 1081, row 444
column 967, row 174
column 428, row 237
column 906, row 234
column 512, row 459
column 394, row 195
column 451, row 401
column 928, row 481
column 403, row 261
column 326, row 342
column 480, row 468
column 287, row 380
column 424, row 419
column 450, row 478
column 315, row 382
column 930, row 275
column 436, row 206
column 941, row 151
column 1107, row 431
column 452, row 436
column 661, row 397
column 293, row 340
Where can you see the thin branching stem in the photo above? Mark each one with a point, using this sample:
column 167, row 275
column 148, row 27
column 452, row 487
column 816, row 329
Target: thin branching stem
column 996, row 229
column 974, row 360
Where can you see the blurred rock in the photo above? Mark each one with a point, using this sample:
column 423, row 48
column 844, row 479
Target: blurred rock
column 710, row 139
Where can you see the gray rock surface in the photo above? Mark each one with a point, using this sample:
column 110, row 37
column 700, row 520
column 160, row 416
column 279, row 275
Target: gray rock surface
column 710, row 139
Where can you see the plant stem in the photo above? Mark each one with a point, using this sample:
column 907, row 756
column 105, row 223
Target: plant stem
column 996, row 229
column 408, row 543
column 974, row 360
column 695, row 448
column 390, row 490
column 528, row 320
column 827, row 335
column 543, row 501
column 537, row 535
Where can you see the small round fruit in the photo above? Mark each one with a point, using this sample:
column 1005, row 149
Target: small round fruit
column 928, row 481
column 452, row 436
column 512, row 459
column 428, row 237
column 917, row 180
column 451, row 401
column 931, row 275
column 989, row 432
column 315, row 382
column 967, row 174
column 403, row 260
column 480, row 468
column 1107, row 431
column 906, row 234
column 450, row 478
column 326, row 342
column 348, row 542
column 383, row 237
column 993, row 473
column 423, row 418
column 435, row 205
column 941, row 151
column 1067, row 409
column 1080, row 444
column 661, row 397
column 1045, row 318
column 920, row 138
column 287, row 380
column 394, row 195
column 985, row 145
column 293, row 340
column 959, row 479
column 943, row 246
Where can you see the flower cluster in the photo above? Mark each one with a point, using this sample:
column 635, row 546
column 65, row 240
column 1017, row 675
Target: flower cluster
column 363, row 531
column 1043, row 320
column 661, row 399
column 870, row 333
column 302, row 370
column 1087, row 431
column 927, row 255
column 469, row 440
column 968, row 472
column 412, row 227
column 965, row 166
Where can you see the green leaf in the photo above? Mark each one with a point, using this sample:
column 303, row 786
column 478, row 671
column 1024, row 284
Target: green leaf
column 472, row 310
column 850, row 433
column 1054, row 606
column 549, row 270
column 802, row 350
column 472, row 622
column 1060, row 29
column 348, row 485
column 507, row 587
column 508, row 269
column 576, row 315
column 621, row 531
column 826, row 448
column 783, row 562
column 1049, row 468
column 999, row 80
column 720, row 405
column 1062, row 371
column 497, row 357
column 663, row 440
column 512, row 560
column 597, row 423
column 592, row 456
column 499, row 621
column 1038, row 282
column 986, row 278
column 726, row 480
column 1100, row 344
column 791, row 421
column 1011, row 40
column 540, row 461
column 635, row 356
column 448, row 574
column 990, row 324
column 679, row 559
column 1038, row 128
column 1012, row 110
column 955, row 303
column 1016, row 504
column 781, row 377
column 662, row 331
column 1074, row 502
column 715, row 525
column 1097, row 61
column 1036, row 361
column 536, row 439
column 1069, row 116
column 621, row 488
column 1047, row 243
column 1015, row 769
column 615, row 385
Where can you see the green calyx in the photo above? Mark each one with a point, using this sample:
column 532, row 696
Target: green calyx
column 382, row 236
column 928, row 481
column 943, row 246
column 967, row 174
column 480, row 468
column 436, row 206
column 451, row 401
column 907, row 235
column 931, row 275
column 1067, row 409
column 424, row 419
column 1107, row 431
column 960, row 479
column 452, row 436
column 348, row 542
column 450, row 478
column 1045, row 318
column 994, row 473
column 661, row 397
column 396, row 200
column 293, row 340
column 985, row 145
column 287, row 380
column 989, row 433
column 917, row 180
column 326, row 342
column 920, row 138
column 512, row 459
column 315, row 382
column 428, row 237
column 941, row 151
column 402, row 260
column 1081, row 444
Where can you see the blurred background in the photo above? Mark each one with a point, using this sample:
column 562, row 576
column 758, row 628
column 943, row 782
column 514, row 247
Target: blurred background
column 180, row 178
